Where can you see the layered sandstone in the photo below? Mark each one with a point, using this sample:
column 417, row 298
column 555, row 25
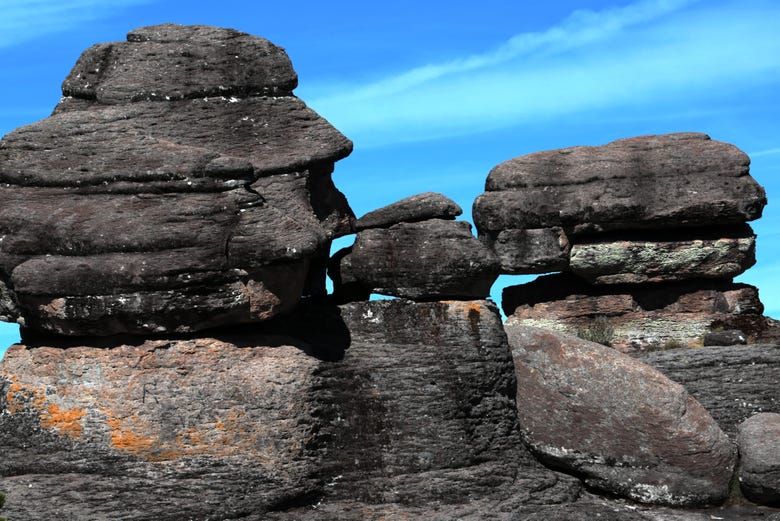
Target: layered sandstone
column 169, row 202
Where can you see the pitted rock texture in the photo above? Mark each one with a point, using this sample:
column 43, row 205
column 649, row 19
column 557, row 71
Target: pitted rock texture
column 617, row 422
column 732, row 382
column 420, row 207
column 643, row 317
column 634, row 260
column 432, row 259
column 759, row 450
column 153, row 206
column 377, row 407
column 648, row 182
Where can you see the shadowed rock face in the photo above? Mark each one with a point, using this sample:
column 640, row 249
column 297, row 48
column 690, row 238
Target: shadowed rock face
column 731, row 382
column 170, row 191
column 383, row 406
column 619, row 423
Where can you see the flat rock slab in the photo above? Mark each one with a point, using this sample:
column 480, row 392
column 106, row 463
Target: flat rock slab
column 433, row 259
column 646, row 182
column 641, row 317
column 617, row 422
column 420, row 207
column 637, row 261
column 732, row 382
column 389, row 405
column 759, row 450
column 178, row 186
column 168, row 61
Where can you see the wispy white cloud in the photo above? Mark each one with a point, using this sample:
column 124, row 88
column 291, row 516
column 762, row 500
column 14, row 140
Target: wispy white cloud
column 660, row 52
column 23, row 20
column 768, row 152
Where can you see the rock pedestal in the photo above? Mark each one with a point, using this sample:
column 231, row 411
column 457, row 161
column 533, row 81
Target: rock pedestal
column 389, row 405
column 654, row 227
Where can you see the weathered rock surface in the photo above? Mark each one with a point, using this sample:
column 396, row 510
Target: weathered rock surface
column 759, row 450
column 420, row 207
column 165, row 62
column 377, row 407
column 732, row 382
column 153, row 206
column 664, row 181
column 433, row 259
column 620, row 424
column 636, row 260
column 643, row 317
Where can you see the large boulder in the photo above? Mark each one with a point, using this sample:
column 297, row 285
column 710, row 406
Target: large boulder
column 385, row 407
column 644, row 182
column 662, row 182
column 178, row 186
column 732, row 382
column 759, row 450
column 641, row 317
column 618, row 423
column 431, row 259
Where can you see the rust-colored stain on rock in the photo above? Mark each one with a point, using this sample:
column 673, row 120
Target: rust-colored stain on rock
column 65, row 421
column 125, row 439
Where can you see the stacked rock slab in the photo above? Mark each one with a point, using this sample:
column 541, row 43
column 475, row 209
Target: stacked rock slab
column 414, row 249
column 662, row 216
column 178, row 185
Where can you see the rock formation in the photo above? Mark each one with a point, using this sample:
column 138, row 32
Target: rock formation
column 179, row 185
column 759, row 448
column 637, row 219
column 413, row 249
column 164, row 238
column 617, row 422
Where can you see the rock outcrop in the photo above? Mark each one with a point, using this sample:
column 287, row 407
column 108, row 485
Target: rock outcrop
column 383, row 404
column 164, row 239
column 179, row 185
column 413, row 249
column 617, row 422
column 668, row 211
column 732, row 382
column 759, row 449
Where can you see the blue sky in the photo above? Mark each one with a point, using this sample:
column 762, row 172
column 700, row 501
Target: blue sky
column 436, row 93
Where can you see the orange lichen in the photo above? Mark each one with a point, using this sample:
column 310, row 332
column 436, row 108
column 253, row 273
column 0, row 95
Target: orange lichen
column 65, row 421
column 127, row 440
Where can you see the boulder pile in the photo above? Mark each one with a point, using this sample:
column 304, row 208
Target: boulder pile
column 648, row 232
column 164, row 241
